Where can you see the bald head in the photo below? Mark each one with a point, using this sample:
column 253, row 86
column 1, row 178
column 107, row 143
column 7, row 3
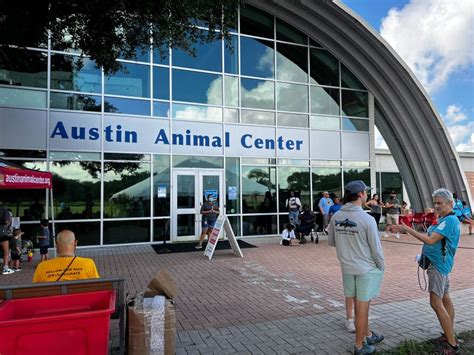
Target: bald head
column 66, row 242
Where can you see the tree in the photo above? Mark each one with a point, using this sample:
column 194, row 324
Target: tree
column 109, row 29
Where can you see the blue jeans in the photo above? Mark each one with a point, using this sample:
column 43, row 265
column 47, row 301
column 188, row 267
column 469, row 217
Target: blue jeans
column 293, row 216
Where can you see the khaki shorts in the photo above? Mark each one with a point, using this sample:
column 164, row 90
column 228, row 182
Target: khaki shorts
column 437, row 282
column 392, row 218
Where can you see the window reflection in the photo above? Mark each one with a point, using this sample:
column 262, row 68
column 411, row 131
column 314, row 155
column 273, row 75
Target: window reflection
column 161, row 83
column 231, row 57
column 78, row 102
column 73, row 73
column 292, row 120
column 258, row 117
column 324, row 101
column 293, row 179
column 355, row 103
column 349, row 80
column 161, row 185
column 351, row 174
column 208, row 57
column 232, row 178
column 87, row 233
column 324, row 67
column 161, row 109
column 206, row 88
column 161, row 230
column 292, row 97
column 22, row 98
column 256, row 22
column 127, row 190
column 258, row 189
column 287, row 33
column 259, row 225
column 231, row 90
column 257, row 57
column 131, row 80
column 128, row 106
column 139, row 55
column 76, row 189
column 257, row 93
column 352, row 124
column 120, row 232
column 326, row 179
column 325, row 122
column 292, row 63
column 197, row 113
column 20, row 67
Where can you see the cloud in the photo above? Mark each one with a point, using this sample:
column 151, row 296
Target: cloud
column 468, row 146
column 454, row 114
column 459, row 130
column 379, row 141
column 434, row 37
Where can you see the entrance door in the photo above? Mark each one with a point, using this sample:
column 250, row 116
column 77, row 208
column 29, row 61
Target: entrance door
column 190, row 190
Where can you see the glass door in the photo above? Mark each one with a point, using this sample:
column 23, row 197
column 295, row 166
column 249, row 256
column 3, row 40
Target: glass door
column 191, row 188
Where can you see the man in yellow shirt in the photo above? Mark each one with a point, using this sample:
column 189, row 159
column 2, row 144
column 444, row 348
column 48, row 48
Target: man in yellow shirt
column 66, row 266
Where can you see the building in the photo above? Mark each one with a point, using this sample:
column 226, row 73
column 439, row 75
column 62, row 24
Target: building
column 293, row 107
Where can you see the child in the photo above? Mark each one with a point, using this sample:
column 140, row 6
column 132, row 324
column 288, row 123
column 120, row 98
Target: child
column 43, row 239
column 288, row 234
column 15, row 246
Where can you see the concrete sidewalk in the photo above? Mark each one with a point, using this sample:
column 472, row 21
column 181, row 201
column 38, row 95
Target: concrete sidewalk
column 282, row 299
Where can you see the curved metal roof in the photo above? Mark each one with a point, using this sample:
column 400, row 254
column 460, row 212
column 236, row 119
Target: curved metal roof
column 404, row 113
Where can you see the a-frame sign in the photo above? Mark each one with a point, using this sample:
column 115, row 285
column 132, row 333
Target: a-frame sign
column 222, row 223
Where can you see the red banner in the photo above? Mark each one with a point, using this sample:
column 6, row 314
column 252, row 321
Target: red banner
column 11, row 178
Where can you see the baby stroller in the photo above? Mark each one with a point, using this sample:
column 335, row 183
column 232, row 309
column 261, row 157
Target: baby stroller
column 26, row 248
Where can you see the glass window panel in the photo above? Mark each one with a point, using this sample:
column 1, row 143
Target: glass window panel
column 83, row 156
column 161, row 109
column 352, row 174
column 355, row 103
column 257, row 57
column 127, row 190
column 87, row 233
column 324, row 100
column 293, row 179
column 301, row 162
column 22, row 98
column 76, row 189
column 161, row 83
column 67, row 73
column 185, row 223
column 20, row 67
column 158, row 58
column 231, row 115
column 325, row 163
column 22, row 153
column 78, row 102
column 292, row 120
column 131, row 80
column 313, row 43
column 206, row 88
column 197, row 113
column 140, row 55
column 349, row 80
column 258, row 117
column 121, row 232
column 232, row 178
column 161, row 230
column 235, row 224
column 208, row 57
column 231, row 90
column 292, row 97
column 326, row 179
column 259, row 225
column 186, row 191
column 287, row 33
column 127, row 156
column 390, row 182
column 129, row 106
column 256, row 22
column 231, row 56
column 257, row 93
column 253, row 161
column 352, row 124
column 356, row 163
column 180, row 161
column 324, row 67
column 325, row 122
column 258, row 184
column 161, row 185
column 292, row 63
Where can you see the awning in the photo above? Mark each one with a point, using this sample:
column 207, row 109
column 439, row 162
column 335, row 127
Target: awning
column 15, row 177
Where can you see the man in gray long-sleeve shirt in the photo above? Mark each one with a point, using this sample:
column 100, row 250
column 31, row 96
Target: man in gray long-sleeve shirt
column 355, row 235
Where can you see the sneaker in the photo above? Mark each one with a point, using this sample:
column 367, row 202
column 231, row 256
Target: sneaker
column 374, row 338
column 19, row 269
column 397, row 236
column 350, row 327
column 450, row 350
column 366, row 349
column 199, row 246
column 7, row 271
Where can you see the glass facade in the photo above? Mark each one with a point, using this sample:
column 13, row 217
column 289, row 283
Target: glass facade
column 275, row 77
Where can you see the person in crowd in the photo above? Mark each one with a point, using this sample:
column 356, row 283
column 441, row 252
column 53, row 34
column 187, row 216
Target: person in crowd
column 288, row 234
column 336, row 207
column 66, row 266
column 307, row 219
column 324, row 205
column 375, row 205
column 36, row 209
column 404, row 209
column 27, row 215
column 356, row 237
column 43, row 239
column 440, row 245
column 209, row 212
column 15, row 246
column 467, row 216
column 5, row 222
column 457, row 207
column 392, row 214
column 293, row 204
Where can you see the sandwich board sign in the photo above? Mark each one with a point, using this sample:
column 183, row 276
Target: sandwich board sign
column 222, row 223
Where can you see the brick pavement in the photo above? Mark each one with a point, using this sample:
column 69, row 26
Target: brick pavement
column 248, row 305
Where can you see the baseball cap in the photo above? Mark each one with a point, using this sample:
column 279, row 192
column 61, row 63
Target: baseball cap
column 356, row 186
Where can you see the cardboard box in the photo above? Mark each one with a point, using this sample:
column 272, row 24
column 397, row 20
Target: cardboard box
column 152, row 318
column 294, row 242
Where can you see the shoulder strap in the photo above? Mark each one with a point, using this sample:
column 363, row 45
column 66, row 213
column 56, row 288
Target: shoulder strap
column 59, row 278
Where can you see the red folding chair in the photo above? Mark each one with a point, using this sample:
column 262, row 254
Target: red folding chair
column 418, row 220
column 429, row 219
column 407, row 220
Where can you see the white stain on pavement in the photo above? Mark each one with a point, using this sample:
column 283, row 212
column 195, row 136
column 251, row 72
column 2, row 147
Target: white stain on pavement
column 317, row 306
column 315, row 294
column 289, row 298
column 335, row 304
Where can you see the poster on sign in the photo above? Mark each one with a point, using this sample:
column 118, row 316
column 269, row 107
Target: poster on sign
column 222, row 224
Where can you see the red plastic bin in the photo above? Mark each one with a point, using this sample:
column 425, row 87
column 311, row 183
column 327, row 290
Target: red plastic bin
column 66, row 324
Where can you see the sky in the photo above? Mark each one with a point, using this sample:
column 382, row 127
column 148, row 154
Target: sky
column 436, row 39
